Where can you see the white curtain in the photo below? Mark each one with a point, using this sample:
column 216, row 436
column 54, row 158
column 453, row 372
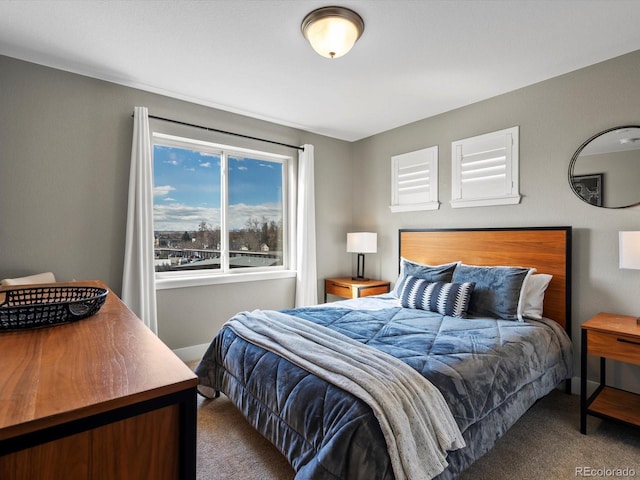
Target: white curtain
column 306, row 279
column 138, row 280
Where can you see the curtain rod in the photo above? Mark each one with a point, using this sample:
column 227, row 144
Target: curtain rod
column 225, row 132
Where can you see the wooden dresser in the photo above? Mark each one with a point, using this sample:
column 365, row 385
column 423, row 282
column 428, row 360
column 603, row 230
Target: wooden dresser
column 99, row 398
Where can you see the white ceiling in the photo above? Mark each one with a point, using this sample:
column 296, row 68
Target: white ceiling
column 416, row 58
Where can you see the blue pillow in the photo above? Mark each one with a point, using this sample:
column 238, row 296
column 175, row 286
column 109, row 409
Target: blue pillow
column 450, row 299
column 432, row 273
column 497, row 289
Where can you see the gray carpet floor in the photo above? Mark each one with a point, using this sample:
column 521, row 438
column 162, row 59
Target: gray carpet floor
column 545, row 444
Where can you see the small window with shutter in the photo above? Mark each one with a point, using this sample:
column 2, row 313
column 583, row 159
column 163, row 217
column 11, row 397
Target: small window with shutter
column 414, row 181
column 484, row 170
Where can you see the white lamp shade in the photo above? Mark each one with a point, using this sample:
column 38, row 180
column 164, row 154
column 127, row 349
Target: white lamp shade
column 630, row 250
column 362, row 242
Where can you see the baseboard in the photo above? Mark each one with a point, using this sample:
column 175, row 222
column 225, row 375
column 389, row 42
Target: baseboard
column 575, row 386
column 194, row 352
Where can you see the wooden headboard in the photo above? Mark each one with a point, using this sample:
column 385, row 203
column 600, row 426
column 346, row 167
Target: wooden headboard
column 548, row 249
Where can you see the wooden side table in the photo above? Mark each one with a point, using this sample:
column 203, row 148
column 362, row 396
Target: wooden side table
column 347, row 287
column 616, row 337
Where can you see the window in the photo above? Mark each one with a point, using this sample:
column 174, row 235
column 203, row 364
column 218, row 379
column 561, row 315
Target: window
column 217, row 209
column 485, row 170
column 414, row 181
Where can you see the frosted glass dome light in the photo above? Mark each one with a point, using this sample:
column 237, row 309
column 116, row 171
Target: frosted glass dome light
column 332, row 31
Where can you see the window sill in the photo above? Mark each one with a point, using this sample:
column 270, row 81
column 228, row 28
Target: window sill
column 202, row 280
column 415, row 207
column 486, row 202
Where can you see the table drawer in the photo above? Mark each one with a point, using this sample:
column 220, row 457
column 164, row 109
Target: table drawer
column 337, row 289
column 615, row 346
column 365, row 292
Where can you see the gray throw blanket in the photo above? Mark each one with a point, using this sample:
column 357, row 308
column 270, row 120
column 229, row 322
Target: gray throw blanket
column 414, row 418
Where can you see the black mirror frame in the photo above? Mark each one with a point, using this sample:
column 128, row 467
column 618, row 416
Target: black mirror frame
column 577, row 154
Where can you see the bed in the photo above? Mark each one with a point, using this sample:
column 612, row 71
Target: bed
column 433, row 331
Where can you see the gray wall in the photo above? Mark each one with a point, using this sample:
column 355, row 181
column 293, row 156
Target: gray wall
column 65, row 148
column 64, row 164
column 555, row 117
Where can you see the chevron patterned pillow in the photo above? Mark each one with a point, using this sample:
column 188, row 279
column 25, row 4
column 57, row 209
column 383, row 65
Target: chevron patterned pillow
column 450, row 299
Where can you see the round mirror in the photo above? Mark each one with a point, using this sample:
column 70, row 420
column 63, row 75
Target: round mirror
column 605, row 170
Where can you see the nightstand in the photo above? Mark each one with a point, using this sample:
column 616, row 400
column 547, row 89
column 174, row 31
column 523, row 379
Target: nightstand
column 616, row 337
column 347, row 287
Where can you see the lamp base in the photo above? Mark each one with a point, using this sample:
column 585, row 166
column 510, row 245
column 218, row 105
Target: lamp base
column 360, row 270
column 362, row 279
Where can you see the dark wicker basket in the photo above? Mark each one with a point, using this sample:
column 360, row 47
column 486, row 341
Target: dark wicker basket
column 35, row 307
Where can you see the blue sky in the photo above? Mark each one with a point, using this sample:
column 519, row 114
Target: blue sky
column 187, row 189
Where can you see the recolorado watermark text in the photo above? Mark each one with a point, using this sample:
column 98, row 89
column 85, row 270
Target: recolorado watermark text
column 605, row 472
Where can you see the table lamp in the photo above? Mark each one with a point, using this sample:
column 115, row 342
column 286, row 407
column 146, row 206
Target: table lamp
column 630, row 251
column 361, row 243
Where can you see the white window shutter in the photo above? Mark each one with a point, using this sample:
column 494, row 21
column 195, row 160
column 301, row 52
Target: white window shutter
column 485, row 169
column 414, row 181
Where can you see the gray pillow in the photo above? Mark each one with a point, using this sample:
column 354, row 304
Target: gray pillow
column 497, row 289
column 431, row 273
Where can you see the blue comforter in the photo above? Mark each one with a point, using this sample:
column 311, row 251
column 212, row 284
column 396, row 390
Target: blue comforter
column 489, row 372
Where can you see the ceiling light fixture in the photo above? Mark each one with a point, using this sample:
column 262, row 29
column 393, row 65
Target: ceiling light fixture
column 332, row 31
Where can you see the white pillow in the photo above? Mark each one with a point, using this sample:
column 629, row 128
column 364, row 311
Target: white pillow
column 533, row 290
column 47, row 277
